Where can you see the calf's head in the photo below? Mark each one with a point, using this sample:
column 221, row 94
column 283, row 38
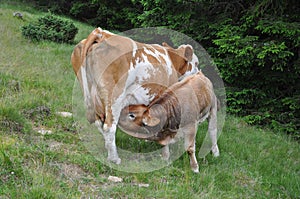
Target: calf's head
column 140, row 121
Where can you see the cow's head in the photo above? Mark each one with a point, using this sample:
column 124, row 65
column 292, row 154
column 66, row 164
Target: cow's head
column 139, row 121
column 183, row 58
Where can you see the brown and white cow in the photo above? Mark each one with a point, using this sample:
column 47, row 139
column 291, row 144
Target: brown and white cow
column 175, row 114
column 115, row 71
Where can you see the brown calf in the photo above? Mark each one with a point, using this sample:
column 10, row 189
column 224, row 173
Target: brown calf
column 176, row 113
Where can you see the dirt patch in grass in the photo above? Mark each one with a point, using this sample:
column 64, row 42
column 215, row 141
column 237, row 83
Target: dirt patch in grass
column 71, row 171
column 54, row 145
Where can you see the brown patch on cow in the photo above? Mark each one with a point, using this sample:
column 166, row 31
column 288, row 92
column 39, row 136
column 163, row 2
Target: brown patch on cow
column 180, row 57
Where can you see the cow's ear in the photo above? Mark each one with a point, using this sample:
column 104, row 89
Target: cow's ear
column 165, row 44
column 188, row 53
column 151, row 121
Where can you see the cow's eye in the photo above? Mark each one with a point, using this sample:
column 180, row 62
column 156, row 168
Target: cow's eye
column 131, row 116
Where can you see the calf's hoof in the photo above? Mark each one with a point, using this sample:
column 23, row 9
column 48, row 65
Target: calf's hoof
column 215, row 151
column 194, row 167
column 195, row 170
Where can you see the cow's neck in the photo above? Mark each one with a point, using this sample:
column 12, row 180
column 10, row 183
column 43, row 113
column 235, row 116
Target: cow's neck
column 168, row 111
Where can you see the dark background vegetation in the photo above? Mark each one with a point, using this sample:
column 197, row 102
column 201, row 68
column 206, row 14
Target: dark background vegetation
column 255, row 45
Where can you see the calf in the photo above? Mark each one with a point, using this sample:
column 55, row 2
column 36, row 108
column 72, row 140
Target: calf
column 176, row 113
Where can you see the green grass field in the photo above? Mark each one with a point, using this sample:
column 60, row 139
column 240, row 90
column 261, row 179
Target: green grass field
column 36, row 81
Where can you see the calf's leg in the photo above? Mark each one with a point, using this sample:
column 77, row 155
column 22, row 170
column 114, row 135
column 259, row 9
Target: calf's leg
column 189, row 143
column 166, row 152
column 212, row 129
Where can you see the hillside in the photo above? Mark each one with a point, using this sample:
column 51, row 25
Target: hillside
column 36, row 82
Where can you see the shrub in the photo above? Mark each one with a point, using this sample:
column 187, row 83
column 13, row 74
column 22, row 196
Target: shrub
column 259, row 59
column 52, row 28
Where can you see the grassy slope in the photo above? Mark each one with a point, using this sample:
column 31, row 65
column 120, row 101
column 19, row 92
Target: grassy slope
column 253, row 164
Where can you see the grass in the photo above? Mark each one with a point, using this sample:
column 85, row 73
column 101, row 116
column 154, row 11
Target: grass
column 36, row 81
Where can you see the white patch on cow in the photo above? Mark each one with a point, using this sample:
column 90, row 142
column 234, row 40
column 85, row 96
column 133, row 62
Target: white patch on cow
column 138, row 95
column 141, row 71
column 188, row 73
column 99, row 35
column 194, row 63
column 109, row 135
column 168, row 62
column 153, row 53
column 86, row 92
column 134, row 48
column 106, row 31
column 133, row 92
column 160, row 56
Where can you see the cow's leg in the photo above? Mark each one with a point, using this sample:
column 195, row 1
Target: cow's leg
column 109, row 127
column 109, row 135
column 212, row 129
column 189, row 143
column 166, row 152
column 108, row 121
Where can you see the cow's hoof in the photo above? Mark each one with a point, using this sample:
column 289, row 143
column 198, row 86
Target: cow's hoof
column 114, row 160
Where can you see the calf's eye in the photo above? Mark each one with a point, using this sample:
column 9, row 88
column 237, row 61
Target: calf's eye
column 131, row 116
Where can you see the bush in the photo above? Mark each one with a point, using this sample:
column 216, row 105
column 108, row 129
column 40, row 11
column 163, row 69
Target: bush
column 259, row 58
column 52, row 28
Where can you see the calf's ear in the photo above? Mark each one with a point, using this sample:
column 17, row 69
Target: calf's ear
column 150, row 121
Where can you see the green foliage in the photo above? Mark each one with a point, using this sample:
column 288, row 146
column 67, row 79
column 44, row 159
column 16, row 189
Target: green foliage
column 258, row 58
column 112, row 15
column 52, row 28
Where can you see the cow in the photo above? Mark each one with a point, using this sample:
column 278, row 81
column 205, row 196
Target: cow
column 176, row 114
column 115, row 71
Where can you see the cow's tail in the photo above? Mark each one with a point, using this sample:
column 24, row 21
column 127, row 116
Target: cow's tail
column 94, row 37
